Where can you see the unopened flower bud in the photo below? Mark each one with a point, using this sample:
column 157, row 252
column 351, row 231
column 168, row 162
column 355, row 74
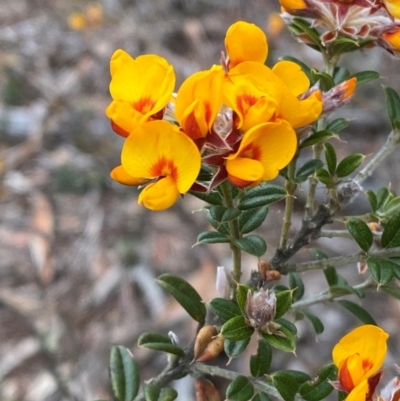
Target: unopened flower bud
column 206, row 391
column 292, row 5
column 208, row 344
column 260, row 308
column 223, row 282
column 273, row 275
column 361, row 267
column 263, row 268
column 339, row 94
column 392, row 37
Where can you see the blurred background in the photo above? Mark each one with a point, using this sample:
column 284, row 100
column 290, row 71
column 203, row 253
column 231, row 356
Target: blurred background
column 78, row 256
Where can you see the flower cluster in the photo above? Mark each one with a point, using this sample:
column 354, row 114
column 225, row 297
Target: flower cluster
column 359, row 356
column 367, row 21
column 237, row 119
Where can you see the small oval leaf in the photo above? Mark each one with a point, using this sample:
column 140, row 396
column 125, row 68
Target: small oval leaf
column 234, row 348
column 349, row 164
column 391, row 233
column 224, row 308
column 240, row 389
column 252, row 244
column 159, row 342
column 212, row 237
column 296, row 284
column 360, row 231
column 284, row 300
column 286, row 385
column 251, row 219
column 262, row 195
column 358, row 311
column 236, row 329
column 260, row 362
column 285, row 342
column 381, row 271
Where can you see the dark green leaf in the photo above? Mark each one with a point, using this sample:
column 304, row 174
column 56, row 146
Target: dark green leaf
column 358, row 312
column 314, row 320
column 391, row 233
column 224, row 308
column 231, row 214
column 307, row 169
column 260, row 362
column 216, row 212
column 345, row 45
column 382, row 196
column 340, row 75
column 299, row 376
column 317, row 137
column 286, row 385
column 349, row 164
column 396, row 266
column 212, row 237
column 305, row 27
column 151, row 392
column 168, row 394
column 337, row 124
column 240, row 389
column 365, row 76
column 252, row 244
column 212, row 198
column 159, row 342
column 319, row 387
column 341, row 289
column 284, row 301
column 331, row 276
column 325, row 80
column 236, row 329
column 235, row 348
column 251, row 219
column 287, row 325
column 360, row 231
column 185, row 294
column 372, row 199
column 330, row 157
column 324, row 176
column 124, row 374
column 241, row 295
column 262, row 195
column 391, row 207
column 381, row 270
column 393, row 106
column 296, row 283
column 285, row 343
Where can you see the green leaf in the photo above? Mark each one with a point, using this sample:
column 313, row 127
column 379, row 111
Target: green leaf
column 124, row 374
column 299, row 376
column 307, row 169
column 287, row 325
column 393, row 106
column 296, row 284
column 314, row 320
column 395, row 266
column 372, row 199
column 224, row 308
column 251, row 219
column 260, row 362
column 216, row 212
column 151, row 392
column 360, row 231
column 330, row 157
column 241, row 295
column 381, row 270
column 212, row 198
column 344, row 289
column 234, row 348
column 345, row 45
column 382, row 197
column 168, row 394
column 212, row 237
column 305, row 27
column 317, row 137
column 349, row 164
column 337, row 125
column 285, row 343
column 365, row 76
column 391, row 233
column 284, row 300
column 319, row 387
column 236, row 329
column 252, row 244
column 159, row 342
column 391, row 290
column 325, row 80
column 261, row 397
column 323, row 176
column 220, row 227
column 358, row 312
column 262, row 195
column 286, row 385
column 240, row 389
column 231, row 214
column 391, row 207
column 185, row 294
column 340, row 74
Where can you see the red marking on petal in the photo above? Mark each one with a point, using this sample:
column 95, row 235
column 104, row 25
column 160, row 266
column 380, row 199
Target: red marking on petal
column 118, row 130
column 191, row 127
column 345, row 377
column 143, row 105
column 251, row 152
column 245, row 101
column 163, row 168
column 367, row 364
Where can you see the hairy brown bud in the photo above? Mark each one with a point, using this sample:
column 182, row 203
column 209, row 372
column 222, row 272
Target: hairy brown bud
column 273, row 275
column 260, row 308
column 208, row 344
column 206, row 391
column 263, row 268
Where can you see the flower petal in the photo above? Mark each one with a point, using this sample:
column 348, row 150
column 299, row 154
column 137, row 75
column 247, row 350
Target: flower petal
column 160, row 195
column 126, row 118
column 393, row 7
column 243, row 171
column 158, row 149
column 245, row 42
column 293, row 76
column 120, row 175
column 359, row 393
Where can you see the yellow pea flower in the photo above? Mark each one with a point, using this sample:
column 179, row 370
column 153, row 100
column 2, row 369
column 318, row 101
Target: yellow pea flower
column 158, row 153
column 393, row 7
column 291, row 5
column 359, row 355
column 245, row 42
column 392, row 37
column 140, row 89
column 198, row 101
column 263, row 151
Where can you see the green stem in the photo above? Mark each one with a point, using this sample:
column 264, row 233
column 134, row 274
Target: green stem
column 289, row 202
column 234, row 233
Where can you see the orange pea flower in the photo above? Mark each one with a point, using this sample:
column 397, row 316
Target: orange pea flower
column 245, row 42
column 158, row 154
column 264, row 150
column 291, row 5
column 198, row 101
column 392, row 37
column 359, row 355
column 393, row 7
column 140, row 89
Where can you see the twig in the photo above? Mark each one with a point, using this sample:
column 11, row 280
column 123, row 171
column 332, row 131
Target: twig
column 341, row 234
column 341, row 260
